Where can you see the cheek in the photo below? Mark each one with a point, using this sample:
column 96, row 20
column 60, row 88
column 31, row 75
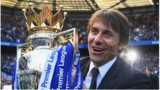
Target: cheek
column 112, row 45
column 90, row 39
column 115, row 48
column 113, row 42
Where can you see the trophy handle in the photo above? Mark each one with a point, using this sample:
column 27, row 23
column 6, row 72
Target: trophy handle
column 73, row 40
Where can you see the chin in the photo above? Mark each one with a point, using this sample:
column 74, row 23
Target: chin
column 99, row 60
column 96, row 58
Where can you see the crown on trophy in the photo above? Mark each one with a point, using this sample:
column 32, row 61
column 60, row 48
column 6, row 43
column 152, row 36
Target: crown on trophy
column 44, row 23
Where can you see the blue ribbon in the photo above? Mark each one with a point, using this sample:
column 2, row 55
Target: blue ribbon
column 63, row 70
column 47, row 73
column 78, row 82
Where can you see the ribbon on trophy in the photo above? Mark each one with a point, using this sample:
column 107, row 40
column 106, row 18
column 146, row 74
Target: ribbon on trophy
column 48, row 70
column 64, row 70
column 60, row 76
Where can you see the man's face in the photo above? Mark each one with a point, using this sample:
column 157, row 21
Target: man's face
column 103, row 43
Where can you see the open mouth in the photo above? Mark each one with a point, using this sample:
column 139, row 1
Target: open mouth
column 97, row 50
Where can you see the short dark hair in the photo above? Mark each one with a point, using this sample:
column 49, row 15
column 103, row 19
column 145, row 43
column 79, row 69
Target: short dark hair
column 118, row 21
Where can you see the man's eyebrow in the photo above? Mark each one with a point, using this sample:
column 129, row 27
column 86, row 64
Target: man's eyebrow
column 106, row 29
column 95, row 28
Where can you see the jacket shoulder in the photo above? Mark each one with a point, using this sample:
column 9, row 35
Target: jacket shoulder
column 133, row 78
column 125, row 76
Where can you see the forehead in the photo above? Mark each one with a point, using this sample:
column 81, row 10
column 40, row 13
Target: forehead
column 99, row 24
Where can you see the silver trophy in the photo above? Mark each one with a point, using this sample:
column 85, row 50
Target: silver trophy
column 45, row 35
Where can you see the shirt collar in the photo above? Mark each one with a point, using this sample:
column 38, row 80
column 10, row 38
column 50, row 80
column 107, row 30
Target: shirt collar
column 104, row 68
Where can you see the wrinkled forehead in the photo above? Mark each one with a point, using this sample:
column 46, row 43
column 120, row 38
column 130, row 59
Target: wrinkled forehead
column 103, row 21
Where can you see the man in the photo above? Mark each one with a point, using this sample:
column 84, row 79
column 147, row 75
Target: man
column 108, row 34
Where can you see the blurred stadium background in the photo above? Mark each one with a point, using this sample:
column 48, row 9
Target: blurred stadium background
column 143, row 49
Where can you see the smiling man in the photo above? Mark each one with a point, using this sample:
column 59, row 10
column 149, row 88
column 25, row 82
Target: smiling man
column 108, row 34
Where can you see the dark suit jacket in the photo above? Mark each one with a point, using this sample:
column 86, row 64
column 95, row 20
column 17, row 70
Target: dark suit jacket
column 120, row 76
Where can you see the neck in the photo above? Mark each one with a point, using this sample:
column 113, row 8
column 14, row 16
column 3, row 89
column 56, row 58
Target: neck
column 98, row 64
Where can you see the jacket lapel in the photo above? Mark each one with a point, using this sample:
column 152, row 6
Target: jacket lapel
column 85, row 67
column 110, row 78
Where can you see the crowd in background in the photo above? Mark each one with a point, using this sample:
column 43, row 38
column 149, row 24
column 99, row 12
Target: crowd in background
column 8, row 66
column 145, row 27
column 13, row 29
column 148, row 63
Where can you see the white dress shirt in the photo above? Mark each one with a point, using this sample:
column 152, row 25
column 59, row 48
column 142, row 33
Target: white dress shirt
column 102, row 72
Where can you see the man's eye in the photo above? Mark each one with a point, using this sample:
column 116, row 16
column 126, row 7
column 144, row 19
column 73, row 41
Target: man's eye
column 108, row 34
column 94, row 31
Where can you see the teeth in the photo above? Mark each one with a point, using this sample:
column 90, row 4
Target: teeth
column 97, row 49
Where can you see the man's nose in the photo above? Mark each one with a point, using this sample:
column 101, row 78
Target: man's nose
column 98, row 38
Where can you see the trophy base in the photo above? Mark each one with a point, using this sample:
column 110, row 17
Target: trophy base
column 29, row 79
